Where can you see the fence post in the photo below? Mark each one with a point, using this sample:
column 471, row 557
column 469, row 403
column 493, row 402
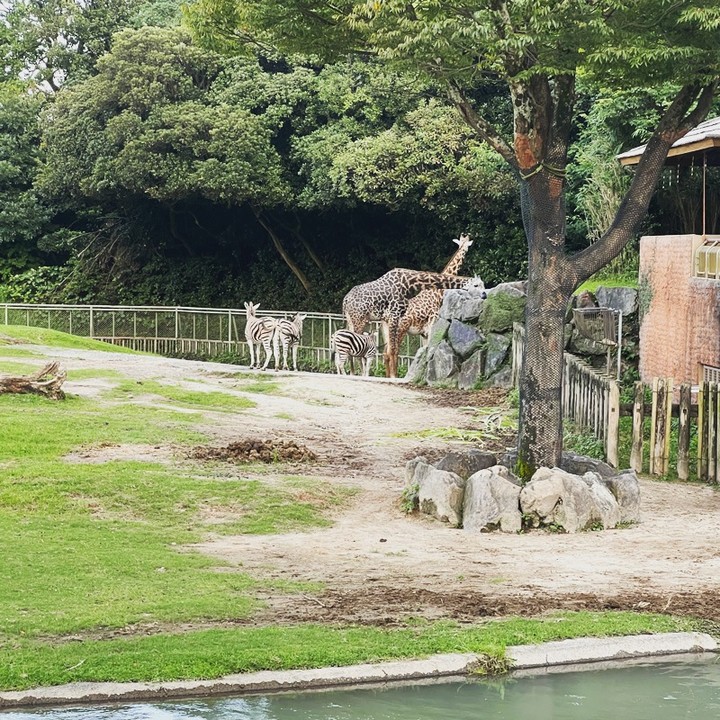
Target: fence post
column 712, row 434
column 92, row 322
column 703, row 397
column 6, row 314
column 613, row 424
column 636, row 454
column 660, row 428
column 683, row 462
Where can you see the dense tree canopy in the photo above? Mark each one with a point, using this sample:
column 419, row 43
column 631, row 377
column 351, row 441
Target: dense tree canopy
column 538, row 49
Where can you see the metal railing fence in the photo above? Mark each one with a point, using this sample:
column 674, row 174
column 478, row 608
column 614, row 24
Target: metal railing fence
column 183, row 331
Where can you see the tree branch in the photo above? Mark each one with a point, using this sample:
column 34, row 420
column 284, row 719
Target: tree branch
column 483, row 128
column 677, row 120
column 296, row 270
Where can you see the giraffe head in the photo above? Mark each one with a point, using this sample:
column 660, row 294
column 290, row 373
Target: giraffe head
column 463, row 242
column 476, row 283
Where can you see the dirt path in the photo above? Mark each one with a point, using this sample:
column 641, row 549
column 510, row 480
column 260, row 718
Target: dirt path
column 380, row 565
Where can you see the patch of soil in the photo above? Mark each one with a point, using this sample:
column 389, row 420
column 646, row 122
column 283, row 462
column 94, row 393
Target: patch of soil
column 450, row 397
column 247, row 451
column 378, row 565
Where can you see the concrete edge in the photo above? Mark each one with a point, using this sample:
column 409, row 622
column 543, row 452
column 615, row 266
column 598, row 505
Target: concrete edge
column 521, row 657
column 587, row 650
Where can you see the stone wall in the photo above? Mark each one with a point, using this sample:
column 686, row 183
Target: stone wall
column 680, row 329
column 470, row 344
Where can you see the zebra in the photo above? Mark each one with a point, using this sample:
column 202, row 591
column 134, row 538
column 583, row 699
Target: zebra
column 348, row 344
column 290, row 334
column 261, row 331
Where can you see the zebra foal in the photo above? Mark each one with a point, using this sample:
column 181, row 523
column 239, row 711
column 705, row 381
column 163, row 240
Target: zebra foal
column 290, row 334
column 348, row 344
column 261, row 332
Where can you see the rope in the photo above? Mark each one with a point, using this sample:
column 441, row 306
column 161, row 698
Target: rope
column 551, row 170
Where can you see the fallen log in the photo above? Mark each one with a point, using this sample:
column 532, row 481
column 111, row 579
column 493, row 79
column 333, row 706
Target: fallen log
column 46, row 381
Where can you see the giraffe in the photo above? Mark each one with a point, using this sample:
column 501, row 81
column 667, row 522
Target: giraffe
column 386, row 299
column 424, row 307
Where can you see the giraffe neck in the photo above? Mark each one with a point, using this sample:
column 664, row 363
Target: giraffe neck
column 456, row 261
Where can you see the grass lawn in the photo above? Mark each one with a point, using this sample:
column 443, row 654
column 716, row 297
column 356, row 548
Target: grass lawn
column 97, row 581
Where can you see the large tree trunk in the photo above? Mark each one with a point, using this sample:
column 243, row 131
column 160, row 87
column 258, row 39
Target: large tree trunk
column 550, row 287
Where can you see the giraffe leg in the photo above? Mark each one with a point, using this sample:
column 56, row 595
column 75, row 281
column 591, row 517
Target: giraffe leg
column 392, row 350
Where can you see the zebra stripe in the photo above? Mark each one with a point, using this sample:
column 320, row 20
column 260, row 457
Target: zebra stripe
column 348, row 344
column 290, row 334
column 261, row 332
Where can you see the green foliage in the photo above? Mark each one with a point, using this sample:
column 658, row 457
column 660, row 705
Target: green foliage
column 37, row 285
column 409, row 498
column 500, row 311
column 583, row 442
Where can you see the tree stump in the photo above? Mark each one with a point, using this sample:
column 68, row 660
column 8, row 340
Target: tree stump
column 46, row 381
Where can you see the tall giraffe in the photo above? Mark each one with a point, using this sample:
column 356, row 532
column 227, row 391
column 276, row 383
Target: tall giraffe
column 425, row 306
column 386, row 299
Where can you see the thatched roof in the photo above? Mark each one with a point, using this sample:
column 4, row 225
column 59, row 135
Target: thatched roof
column 704, row 140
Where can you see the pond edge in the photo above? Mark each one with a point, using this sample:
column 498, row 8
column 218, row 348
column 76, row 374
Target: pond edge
column 554, row 654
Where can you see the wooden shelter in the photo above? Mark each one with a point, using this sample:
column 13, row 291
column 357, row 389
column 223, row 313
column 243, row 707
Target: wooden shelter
column 680, row 278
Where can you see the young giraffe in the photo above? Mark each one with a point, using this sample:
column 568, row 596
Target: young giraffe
column 424, row 307
column 386, row 299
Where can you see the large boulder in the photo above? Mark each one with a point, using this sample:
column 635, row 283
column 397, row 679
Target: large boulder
column 624, row 299
column 626, row 490
column 464, row 339
column 438, row 332
column 607, row 509
column 492, row 501
column 463, row 305
column 560, row 499
column 443, row 364
column 440, row 493
column 467, row 463
column 496, row 352
column 418, row 367
column 472, row 371
column 580, row 464
column 503, row 307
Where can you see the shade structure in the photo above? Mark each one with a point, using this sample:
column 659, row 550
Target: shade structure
column 701, row 146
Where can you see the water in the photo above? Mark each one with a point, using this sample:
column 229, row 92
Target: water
column 643, row 691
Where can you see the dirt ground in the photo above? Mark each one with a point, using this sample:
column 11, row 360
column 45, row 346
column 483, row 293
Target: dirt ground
column 380, row 565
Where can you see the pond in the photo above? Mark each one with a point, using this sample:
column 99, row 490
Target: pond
column 638, row 691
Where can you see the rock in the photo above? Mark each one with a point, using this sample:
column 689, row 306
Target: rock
column 555, row 497
column 418, row 367
column 497, row 349
column 607, row 509
column 466, row 463
column 626, row 490
column 471, row 371
column 442, row 363
column 438, row 332
column 463, row 305
column 502, row 378
column 464, row 339
column 579, row 465
column 411, row 466
column 492, row 501
column 624, row 299
column 440, row 493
